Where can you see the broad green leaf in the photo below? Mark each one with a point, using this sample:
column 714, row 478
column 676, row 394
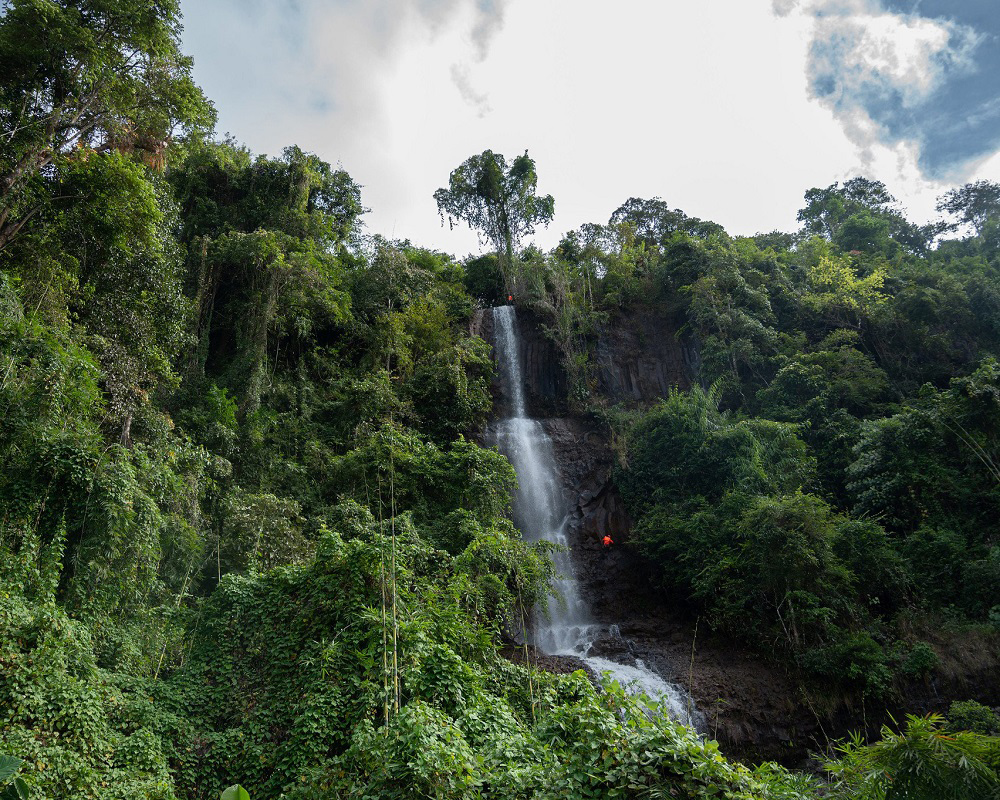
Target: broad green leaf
column 236, row 792
column 8, row 766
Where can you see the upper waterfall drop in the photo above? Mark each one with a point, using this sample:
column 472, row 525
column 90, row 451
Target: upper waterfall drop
column 509, row 357
column 541, row 512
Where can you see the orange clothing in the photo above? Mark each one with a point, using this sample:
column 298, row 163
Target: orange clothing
column 607, row 541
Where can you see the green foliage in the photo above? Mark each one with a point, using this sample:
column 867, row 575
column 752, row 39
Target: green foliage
column 929, row 471
column 853, row 660
column 16, row 788
column 654, row 222
column 730, row 310
column 922, row 762
column 826, row 332
column 685, row 448
column 393, row 468
column 586, row 746
column 323, row 632
column 827, row 391
column 968, row 715
column 266, row 243
column 498, row 200
column 109, row 263
column 221, row 187
column 974, row 204
column 722, row 513
column 8, row 767
column 484, row 280
column 920, row 661
column 449, row 390
column 83, row 520
column 86, row 75
column 861, row 215
column 75, row 729
column 837, row 286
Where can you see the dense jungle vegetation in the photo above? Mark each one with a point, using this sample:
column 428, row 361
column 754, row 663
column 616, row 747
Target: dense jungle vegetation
column 247, row 534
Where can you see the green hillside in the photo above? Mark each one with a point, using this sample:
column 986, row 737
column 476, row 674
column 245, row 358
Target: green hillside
column 248, row 534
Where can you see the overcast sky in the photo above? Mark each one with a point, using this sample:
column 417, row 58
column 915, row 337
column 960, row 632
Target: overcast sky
column 727, row 109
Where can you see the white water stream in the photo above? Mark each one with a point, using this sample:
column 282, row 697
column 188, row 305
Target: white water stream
column 566, row 627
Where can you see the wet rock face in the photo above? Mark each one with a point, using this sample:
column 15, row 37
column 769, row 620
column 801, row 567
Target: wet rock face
column 636, row 362
column 545, row 384
column 607, row 575
column 585, row 468
column 640, row 359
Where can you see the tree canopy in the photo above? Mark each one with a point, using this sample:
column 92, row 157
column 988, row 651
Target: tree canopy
column 87, row 75
column 497, row 199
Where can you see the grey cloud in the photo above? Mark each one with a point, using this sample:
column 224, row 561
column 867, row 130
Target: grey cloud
column 478, row 100
column 286, row 30
column 292, row 18
column 490, row 17
column 940, row 94
column 784, row 7
column 489, row 21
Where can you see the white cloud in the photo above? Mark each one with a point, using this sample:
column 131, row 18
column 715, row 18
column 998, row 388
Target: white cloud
column 708, row 110
column 861, row 50
column 884, row 73
column 489, row 22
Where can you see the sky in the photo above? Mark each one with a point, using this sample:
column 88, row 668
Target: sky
column 727, row 109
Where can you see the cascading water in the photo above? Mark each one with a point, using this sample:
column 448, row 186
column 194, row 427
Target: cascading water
column 566, row 626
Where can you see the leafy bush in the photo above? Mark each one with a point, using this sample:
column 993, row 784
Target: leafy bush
column 922, row 762
column 968, row 715
column 921, row 661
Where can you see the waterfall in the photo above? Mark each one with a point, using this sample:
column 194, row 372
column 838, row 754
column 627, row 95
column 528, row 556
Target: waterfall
column 566, row 626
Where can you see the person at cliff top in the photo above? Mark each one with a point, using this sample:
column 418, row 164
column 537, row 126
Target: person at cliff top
column 607, row 541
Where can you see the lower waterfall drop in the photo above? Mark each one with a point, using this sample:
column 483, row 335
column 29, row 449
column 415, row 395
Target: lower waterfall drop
column 566, row 627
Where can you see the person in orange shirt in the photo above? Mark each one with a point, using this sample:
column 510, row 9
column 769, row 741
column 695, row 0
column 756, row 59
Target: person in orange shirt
column 607, row 541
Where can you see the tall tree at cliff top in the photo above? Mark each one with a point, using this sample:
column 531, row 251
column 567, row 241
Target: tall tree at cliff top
column 86, row 74
column 498, row 200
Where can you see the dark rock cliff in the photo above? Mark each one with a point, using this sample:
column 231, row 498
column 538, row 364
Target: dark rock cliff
column 636, row 361
column 545, row 384
column 639, row 359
